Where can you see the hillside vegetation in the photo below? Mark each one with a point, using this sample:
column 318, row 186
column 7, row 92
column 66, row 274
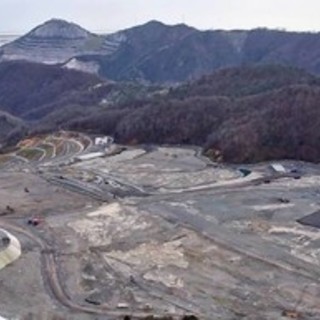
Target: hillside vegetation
column 11, row 128
column 238, row 115
column 243, row 114
column 45, row 97
column 27, row 89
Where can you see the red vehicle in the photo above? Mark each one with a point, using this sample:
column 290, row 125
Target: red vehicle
column 34, row 221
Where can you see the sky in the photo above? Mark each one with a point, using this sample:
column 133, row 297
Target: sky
column 20, row 16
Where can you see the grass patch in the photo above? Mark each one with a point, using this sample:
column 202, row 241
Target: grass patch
column 30, row 154
column 47, row 148
column 4, row 159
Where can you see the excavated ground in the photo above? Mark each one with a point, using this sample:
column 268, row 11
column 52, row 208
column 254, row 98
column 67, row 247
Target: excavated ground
column 175, row 235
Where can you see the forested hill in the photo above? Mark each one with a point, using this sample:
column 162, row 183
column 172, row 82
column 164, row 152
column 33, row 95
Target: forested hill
column 242, row 114
column 239, row 115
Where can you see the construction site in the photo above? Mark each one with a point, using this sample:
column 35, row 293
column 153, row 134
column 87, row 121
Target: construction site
column 94, row 230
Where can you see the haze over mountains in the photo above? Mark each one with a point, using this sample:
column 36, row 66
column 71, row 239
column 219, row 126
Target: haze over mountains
column 7, row 38
column 239, row 94
column 158, row 53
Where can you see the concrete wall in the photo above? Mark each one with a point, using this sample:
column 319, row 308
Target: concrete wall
column 10, row 253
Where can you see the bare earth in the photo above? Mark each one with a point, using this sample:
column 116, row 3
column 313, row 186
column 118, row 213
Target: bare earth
column 160, row 232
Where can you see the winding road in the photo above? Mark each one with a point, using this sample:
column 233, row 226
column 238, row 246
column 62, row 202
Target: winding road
column 52, row 278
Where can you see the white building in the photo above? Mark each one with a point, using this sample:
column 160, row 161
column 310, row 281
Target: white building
column 277, row 167
column 103, row 141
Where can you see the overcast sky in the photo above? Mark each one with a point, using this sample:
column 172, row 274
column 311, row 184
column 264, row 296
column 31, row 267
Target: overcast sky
column 19, row 16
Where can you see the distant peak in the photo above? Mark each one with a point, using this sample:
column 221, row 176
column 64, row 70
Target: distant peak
column 152, row 24
column 155, row 23
column 158, row 25
column 58, row 28
column 56, row 20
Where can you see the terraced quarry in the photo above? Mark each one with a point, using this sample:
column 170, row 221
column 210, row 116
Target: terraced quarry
column 56, row 41
column 159, row 232
column 45, row 149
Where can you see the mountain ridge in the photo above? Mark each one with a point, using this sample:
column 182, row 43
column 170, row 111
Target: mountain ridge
column 155, row 52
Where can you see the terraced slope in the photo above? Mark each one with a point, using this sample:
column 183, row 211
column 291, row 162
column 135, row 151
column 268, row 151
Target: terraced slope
column 55, row 148
column 55, row 41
